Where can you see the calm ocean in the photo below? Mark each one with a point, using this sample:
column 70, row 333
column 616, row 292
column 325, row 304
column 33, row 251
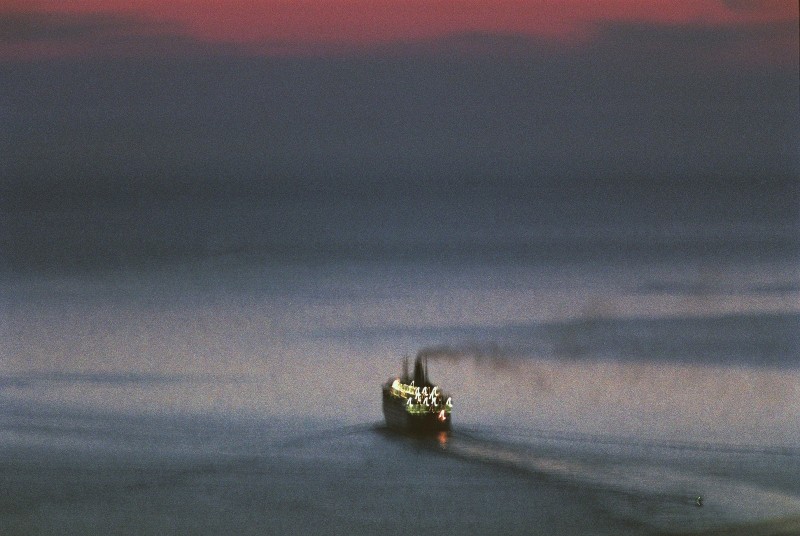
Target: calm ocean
column 189, row 365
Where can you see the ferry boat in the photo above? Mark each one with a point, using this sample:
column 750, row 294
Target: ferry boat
column 414, row 404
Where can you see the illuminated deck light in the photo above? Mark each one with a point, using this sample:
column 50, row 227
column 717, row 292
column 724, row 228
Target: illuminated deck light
column 420, row 401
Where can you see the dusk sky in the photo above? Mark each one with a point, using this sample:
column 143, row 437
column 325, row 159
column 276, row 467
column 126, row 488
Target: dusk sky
column 44, row 27
column 757, row 30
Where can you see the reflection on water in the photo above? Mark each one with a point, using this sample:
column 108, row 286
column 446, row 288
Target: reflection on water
column 442, row 438
column 647, row 401
column 633, row 408
column 631, row 436
column 646, row 482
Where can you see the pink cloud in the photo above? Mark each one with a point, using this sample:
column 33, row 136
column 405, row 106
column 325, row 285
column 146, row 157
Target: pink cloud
column 69, row 27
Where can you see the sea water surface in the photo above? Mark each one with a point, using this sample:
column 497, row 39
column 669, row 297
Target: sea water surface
column 240, row 394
